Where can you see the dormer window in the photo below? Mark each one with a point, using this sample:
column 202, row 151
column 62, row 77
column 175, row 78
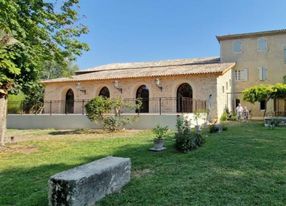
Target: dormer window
column 237, row 46
column 262, row 45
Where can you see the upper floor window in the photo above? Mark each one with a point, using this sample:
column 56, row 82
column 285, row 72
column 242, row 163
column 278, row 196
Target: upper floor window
column 236, row 46
column 261, row 45
column 241, row 75
column 263, row 73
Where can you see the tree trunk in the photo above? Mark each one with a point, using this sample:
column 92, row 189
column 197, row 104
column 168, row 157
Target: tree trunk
column 3, row 115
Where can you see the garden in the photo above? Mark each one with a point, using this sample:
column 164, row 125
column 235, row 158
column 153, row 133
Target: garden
column 244, row 165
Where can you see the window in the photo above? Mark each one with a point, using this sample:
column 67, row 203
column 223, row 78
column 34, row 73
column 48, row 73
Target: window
column 241, row 75
column 261, row 45
column 237, row 74
column 263, row 73
column 263, row 105
column 237, row 46
column 226, row 85
column 222, row 89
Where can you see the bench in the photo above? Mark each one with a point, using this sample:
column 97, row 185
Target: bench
column 87, row 184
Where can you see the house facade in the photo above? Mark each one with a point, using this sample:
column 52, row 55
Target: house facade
column 260, row 58
column 183, row 85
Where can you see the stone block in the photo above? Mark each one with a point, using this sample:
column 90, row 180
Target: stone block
column 87, row 184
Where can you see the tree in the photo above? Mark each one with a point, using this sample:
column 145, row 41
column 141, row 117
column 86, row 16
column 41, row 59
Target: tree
column 34, row 97
column 34, row 32
column 264, row 92
column 52, row 70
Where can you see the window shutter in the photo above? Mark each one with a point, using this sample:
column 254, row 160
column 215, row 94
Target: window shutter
column 260, row 70
column 265, row 73
column 244, row 74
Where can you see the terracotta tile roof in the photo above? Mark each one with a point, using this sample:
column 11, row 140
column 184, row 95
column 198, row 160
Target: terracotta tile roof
column 252, row 34
column 149, row 69
column 134, row 65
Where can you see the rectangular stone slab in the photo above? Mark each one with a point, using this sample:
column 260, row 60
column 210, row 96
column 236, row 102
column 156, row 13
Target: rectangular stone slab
column 86, row 184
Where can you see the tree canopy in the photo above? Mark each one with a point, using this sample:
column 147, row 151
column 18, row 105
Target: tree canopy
column 41, row 31
column 258, row 93
column 264, row 92
column 32, row 33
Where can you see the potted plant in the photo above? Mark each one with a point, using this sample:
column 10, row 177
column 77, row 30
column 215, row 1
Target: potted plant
column 160, row 132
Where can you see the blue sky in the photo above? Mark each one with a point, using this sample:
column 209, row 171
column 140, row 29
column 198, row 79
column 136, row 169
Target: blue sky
column 147, row 30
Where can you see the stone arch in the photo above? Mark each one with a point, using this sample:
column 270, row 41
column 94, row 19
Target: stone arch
column 184, row 98
column 143, row 94
column 69, row 102
column 104, row 92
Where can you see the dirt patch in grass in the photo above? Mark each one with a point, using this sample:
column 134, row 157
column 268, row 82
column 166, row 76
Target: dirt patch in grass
column 23, row 149
column 141, row 173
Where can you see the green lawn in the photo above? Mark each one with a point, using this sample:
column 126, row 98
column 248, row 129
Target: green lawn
column 245, row 165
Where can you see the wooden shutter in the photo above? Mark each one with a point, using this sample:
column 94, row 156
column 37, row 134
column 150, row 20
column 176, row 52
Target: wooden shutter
column 260, row 71
column 265, row 73
column 244, row 74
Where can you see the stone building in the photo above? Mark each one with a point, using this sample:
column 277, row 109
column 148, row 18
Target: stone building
column 260, row 58
column 183, row 85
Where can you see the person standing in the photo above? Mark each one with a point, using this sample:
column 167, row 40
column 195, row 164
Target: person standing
column 245, row 114
column 239, row 111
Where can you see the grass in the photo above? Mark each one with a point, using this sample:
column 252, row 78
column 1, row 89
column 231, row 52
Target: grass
column 246, row 165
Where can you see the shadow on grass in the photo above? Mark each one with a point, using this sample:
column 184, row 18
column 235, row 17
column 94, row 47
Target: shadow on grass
column 239, row 167
column 77, row 131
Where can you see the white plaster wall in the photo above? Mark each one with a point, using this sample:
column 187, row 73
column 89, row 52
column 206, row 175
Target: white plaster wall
column 224, row 96
column 77, row 121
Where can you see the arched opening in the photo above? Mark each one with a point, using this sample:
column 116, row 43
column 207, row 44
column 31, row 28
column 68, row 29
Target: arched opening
column 69, row 106
column 104, row 92
column 142, row 94
column 185, row 98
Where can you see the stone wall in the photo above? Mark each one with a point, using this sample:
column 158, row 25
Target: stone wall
column 250, row 58
column 203, row 86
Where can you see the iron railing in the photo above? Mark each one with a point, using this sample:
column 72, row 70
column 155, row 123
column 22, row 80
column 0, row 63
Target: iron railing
column 158, row 105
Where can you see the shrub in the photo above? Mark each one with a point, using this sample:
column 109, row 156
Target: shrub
column 224, row 128
column 15, row 103
column 96, row 107
column 224, row 116
column 232, row 117
column 274, row 122
column 186, row 140
column 160, row 131
column 213, row 128
column 108, row 112
column 114, row 123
